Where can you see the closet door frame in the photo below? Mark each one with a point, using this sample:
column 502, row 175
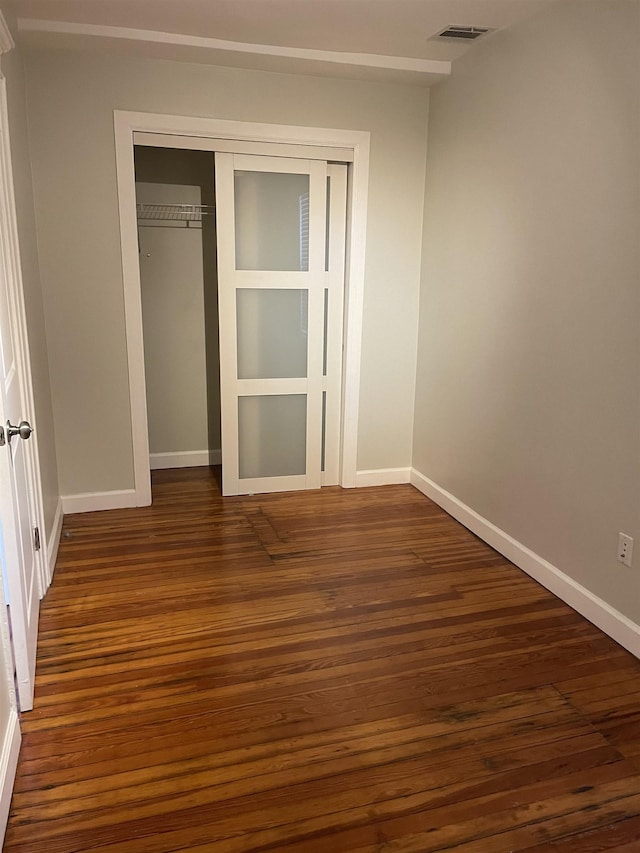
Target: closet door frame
column 243, row 138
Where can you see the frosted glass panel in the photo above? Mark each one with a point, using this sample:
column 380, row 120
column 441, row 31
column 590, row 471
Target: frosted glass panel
column 272, row 333
column 272, row 435
column 324, row 430
column 325, row 332
column 327, row 223
column 272, row 221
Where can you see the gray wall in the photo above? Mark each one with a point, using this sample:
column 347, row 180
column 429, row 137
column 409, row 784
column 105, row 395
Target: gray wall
column 528, row 400
column 72, row 96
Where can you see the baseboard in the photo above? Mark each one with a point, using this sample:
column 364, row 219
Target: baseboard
column 8, row 764
column 53, row 539
column 382, row 476
column 185, row 459
column 615, row 624
column 95, row 501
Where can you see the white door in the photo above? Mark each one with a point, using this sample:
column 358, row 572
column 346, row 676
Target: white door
column 280, row 294
column 17, row 549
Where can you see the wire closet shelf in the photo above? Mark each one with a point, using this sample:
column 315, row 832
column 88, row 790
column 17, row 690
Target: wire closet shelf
column 186, row 214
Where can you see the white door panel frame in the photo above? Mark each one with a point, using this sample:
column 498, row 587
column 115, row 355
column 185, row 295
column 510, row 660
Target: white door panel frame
column 192, row 131
column 21, row 503
column 312, row 281
column 242, row 146
column 10, row 232
column 335, row 321
column 26, row 573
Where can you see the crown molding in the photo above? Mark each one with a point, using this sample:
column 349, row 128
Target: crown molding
column 431, row 68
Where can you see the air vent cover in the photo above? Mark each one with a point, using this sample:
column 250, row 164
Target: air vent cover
column 462, row 33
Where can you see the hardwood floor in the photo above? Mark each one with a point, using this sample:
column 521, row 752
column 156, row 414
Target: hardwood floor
column 326, row 672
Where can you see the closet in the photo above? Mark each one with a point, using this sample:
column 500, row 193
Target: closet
column 242, row 260
column 175, row 199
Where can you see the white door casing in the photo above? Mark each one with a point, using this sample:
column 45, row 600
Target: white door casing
column 219, row 134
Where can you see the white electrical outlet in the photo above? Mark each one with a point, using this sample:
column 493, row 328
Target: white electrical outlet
column 625, row 549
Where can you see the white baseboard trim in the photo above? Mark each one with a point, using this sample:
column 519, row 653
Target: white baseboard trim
column 95, row 501
column 185, row 459
column 615, row 624
column 382, row 477
column 8, row 764
column 53, row 540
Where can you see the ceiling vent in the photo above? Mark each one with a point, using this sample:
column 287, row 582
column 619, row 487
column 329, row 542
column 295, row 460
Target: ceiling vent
column 462, row 33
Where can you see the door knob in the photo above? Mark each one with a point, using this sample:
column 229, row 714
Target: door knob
column 23, row 429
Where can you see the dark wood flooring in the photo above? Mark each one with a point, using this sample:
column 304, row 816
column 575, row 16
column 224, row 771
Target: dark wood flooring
column 326, row 672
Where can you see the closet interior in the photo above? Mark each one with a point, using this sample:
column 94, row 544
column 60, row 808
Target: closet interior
column 175, row 196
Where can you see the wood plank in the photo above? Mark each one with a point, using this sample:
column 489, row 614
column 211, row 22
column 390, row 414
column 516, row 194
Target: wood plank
column 329, row 670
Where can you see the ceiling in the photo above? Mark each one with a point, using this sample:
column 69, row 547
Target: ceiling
column 381, row 39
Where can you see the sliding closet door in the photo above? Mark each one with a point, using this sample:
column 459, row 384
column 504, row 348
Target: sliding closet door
column 273, row 273
column 336, row 231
